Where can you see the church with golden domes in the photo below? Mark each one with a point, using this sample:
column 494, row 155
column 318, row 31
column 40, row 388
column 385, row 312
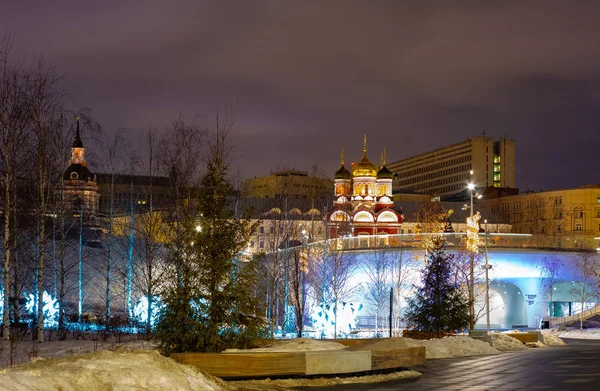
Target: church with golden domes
column 363, row 202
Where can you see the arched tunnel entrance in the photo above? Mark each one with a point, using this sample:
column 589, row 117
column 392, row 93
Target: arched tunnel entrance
column 507, row 306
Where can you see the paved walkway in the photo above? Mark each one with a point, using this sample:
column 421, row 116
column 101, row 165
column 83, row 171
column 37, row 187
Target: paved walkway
column 572, row 367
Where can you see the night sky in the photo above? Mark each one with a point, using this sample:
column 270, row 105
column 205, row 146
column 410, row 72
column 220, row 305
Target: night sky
column 313, row 76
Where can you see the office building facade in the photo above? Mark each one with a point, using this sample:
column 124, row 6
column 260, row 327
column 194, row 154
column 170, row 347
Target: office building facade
column 444, row 172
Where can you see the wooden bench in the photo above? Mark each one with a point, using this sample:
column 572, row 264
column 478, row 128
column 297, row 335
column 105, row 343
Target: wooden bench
column 358, row 358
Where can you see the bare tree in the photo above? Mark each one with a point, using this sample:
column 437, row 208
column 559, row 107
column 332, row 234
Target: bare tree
column 150, row 229
column 14, row 120
column 587, row 266
column 340, row 268
column 550, row 272
column 113, row 165
column 377, row 267
column 46, row 113
column 403, row 276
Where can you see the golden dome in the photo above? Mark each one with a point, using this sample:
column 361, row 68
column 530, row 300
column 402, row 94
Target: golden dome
column 364, row 167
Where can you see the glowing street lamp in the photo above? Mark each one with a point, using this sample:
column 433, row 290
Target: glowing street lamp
column 472, row 245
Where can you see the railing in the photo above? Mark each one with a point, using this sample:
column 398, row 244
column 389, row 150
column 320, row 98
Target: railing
column 494, row 240
column 555, row 321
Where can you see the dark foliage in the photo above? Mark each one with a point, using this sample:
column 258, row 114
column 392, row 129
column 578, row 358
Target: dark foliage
column 211, row 305
column 439, row 305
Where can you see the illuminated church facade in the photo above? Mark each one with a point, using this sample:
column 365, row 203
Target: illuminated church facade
column 363, row 202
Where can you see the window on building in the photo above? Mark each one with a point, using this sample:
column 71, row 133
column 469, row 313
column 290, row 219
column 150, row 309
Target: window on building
column 262, row 231
column 598, row 213
column 578, row 227
column 598, row 199
column 558, row 228
column 272, row 230
column 578, row 213
column 261, row 244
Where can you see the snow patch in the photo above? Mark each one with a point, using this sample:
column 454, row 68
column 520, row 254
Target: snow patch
column 456, row 346
column 591, row 333
column 269, row 384
column 506, row 343
column 294, row 345
column 551, row 339
column 106, row 370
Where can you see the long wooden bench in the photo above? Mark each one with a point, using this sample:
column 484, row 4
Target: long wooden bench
column 358, row 358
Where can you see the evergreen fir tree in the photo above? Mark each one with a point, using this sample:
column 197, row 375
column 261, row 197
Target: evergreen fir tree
column 439, row 305
column 212, row 306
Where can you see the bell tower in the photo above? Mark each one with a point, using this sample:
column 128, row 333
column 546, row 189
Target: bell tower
column 77, row 151
column 80, row 190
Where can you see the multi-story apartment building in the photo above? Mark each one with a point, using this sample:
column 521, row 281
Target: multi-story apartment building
column 445, row 171
column 291, row 183
column 569, row 212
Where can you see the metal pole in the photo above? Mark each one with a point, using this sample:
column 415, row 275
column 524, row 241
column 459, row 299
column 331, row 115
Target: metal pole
column 487, row 281
column 391, row 309
column 471, row 270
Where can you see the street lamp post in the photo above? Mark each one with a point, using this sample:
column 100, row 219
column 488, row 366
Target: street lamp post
column 471, row 220
column 487, row 281
column 471, row 187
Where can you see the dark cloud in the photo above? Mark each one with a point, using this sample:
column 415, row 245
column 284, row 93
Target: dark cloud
column 313, row 76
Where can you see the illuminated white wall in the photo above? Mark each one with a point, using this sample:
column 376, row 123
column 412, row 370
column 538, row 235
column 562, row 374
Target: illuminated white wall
column 515, row 285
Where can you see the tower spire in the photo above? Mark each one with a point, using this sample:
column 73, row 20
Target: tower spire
column 342, row 158
column 365, row 145
column 77, row 143
column 384, row 158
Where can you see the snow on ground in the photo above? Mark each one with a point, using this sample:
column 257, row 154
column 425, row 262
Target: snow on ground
column 107, row 370
column 28, row 349
column 285, row 384
column 591, row 333
column 294, row 345
column 552, row 339
column 88, row 364
column 506, row 343
column 458, row 346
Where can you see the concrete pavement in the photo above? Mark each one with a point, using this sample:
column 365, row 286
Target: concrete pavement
column 572, row 367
